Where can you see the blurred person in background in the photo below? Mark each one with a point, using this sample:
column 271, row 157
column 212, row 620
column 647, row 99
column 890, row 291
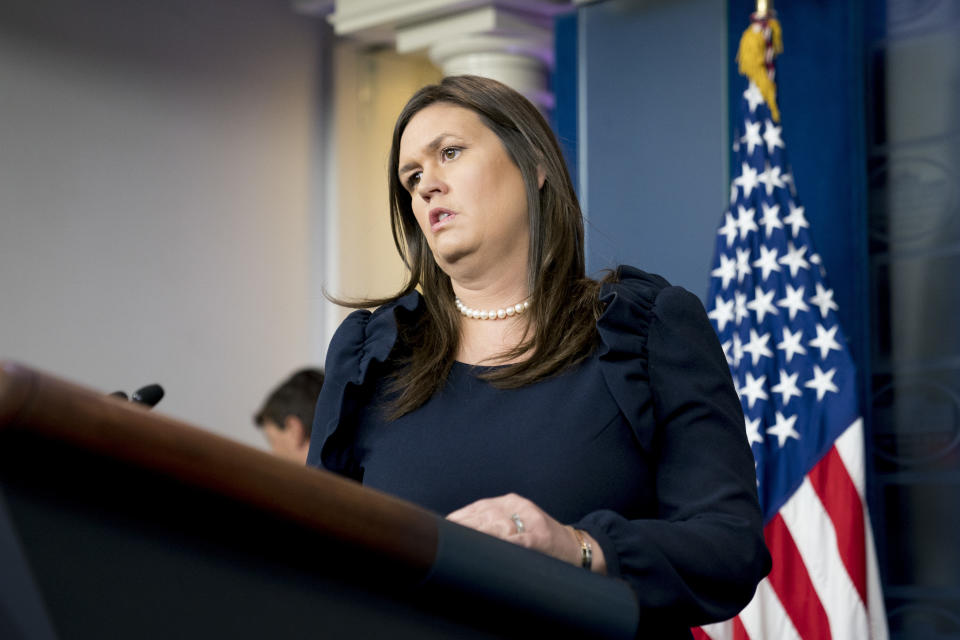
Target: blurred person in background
column 287, row 414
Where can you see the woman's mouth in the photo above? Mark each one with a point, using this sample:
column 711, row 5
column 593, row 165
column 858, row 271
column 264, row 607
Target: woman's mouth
column 439, row 218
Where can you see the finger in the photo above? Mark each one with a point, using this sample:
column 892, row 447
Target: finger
column 459, row 514
column 519, row 524
column 490, row 521
column 472, row 508
column 481, row 520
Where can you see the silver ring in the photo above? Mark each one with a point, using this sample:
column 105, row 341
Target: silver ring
column 518, row 522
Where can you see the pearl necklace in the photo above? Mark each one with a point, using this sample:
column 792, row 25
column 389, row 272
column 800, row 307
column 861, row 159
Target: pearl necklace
column 492, row 314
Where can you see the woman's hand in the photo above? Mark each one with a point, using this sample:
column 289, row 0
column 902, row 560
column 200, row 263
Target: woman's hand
column 515, row 519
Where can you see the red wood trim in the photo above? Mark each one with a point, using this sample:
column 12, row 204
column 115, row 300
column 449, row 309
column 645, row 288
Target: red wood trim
column 42, row 405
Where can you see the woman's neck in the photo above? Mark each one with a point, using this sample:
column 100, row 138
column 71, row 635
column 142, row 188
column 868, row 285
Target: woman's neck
column 489, row 284
column 496, row 286
column 485, row 341
column 492, row 298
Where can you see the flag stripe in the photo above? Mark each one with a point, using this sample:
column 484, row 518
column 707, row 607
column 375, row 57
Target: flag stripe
column 792, row 585
column 716, row 631
column 816, row 541
column 729, row 630
column 765, row 616
column 850, row 448
column 839, row 497
column 876, row 608
column 699, row 633
column 739, row 632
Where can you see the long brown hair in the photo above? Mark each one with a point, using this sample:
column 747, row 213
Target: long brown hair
column 566, row 306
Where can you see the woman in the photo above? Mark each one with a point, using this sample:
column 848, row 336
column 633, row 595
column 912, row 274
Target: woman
column 594, row 422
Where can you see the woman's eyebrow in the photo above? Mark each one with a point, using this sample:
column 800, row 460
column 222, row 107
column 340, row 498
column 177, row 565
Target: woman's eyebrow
column 430, row 147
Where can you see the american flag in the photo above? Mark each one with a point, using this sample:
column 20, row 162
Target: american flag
column 770, row 303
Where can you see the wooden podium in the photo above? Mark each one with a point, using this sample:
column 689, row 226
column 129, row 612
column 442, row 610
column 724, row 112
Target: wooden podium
column 118, row 522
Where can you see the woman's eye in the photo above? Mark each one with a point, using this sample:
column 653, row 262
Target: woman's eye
column 413, row 180
column 451, row 153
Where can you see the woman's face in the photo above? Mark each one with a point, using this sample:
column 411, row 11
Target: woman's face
column 466, row 193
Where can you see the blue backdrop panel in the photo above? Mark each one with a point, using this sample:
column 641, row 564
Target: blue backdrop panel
column 652, row 113
column 564, row 84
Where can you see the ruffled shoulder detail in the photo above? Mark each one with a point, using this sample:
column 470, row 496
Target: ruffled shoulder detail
column 363, row 338
column 623, row 329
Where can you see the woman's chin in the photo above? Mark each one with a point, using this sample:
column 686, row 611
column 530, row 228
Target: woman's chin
column 451, row 254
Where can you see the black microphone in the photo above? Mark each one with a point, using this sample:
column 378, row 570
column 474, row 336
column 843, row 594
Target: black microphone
column 120, row 394
column 149, row 395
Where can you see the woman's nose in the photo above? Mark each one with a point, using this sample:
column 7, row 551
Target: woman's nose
column 431, row 184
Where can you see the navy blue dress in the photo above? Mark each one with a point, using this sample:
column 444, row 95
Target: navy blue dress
column 642, row 444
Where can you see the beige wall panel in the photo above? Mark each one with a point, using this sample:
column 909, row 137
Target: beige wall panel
column 371, row 88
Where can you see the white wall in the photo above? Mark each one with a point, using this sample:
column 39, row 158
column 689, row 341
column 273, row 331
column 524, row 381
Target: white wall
column 159, row 196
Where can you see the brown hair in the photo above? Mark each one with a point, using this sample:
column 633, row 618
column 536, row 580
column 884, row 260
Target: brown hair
column 566, row 306
column 295, row 396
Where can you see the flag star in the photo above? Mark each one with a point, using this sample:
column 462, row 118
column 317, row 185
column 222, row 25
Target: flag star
column 733, row 191
column 793, row 300
column 796, row 219
column 822, row 382
column 753, row 389
column 737, row 352
column 747, row 179
column 726, row 351
column 815, row 259
column 740, row 306
column 757, row 347
column 752, row 136
column 753, row 96
column 745, row 220
column 771, row 218
column 787, row 387
column 794, row 259
column 729, row 228
column 767, row 261
column 762, row 303
column 788, row 180
column 791, row 344
column 743, row 264
column 722, row 313
column 771, row 178
column 825, row 340
column 783, row 429
column 753, row 430
column 771, row 135
column 824, row 300
column 726, row 271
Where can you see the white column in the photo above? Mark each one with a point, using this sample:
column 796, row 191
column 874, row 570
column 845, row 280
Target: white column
column 516, row 49
column 509, row 40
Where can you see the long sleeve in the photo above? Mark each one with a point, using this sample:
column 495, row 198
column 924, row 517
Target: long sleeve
column 699, row 558
column 361, row 341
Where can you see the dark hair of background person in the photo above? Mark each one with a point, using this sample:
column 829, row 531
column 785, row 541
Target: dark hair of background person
column 295, row 396
column 564, row 306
